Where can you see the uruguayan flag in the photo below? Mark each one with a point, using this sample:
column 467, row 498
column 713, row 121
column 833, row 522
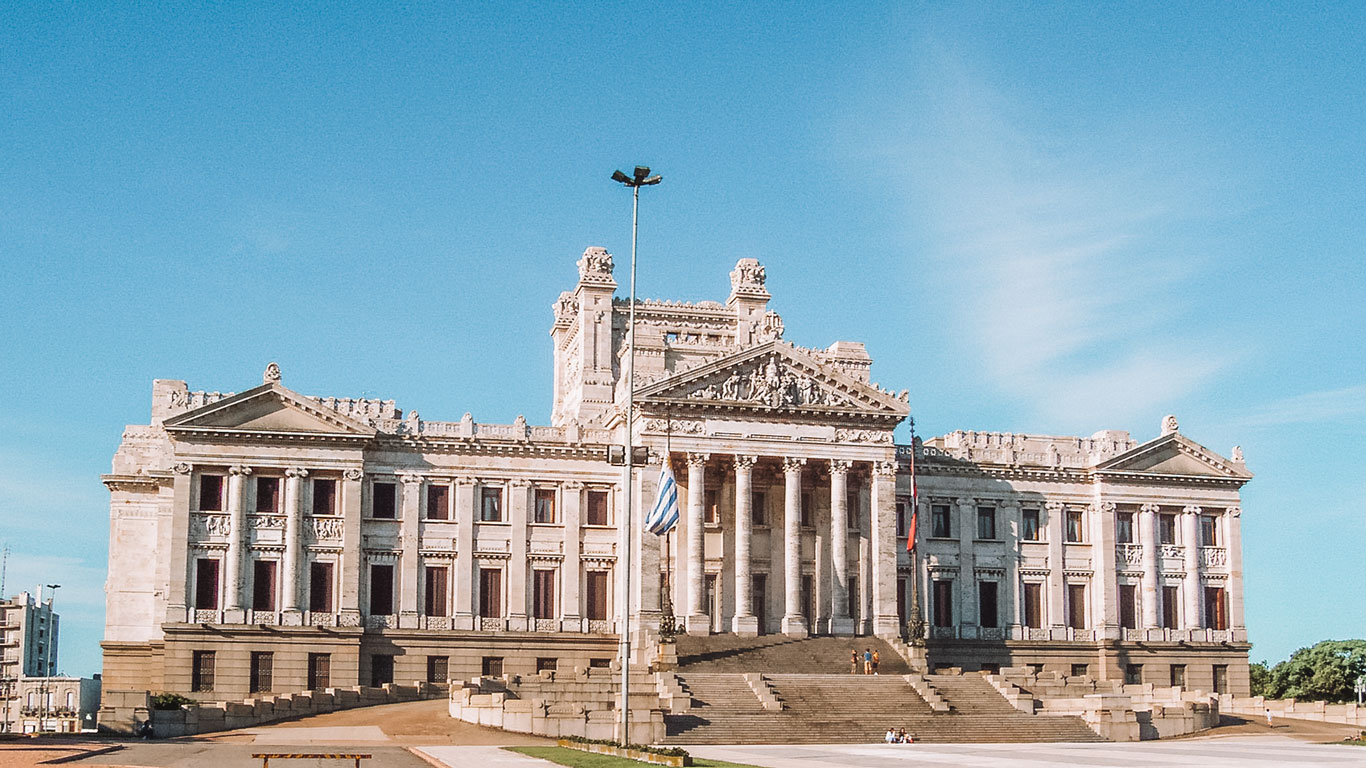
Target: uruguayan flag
column 664, row 516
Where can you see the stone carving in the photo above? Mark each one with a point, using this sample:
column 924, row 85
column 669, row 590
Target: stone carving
column 367, row 411
column 1169, row 425
column 412, row 424
column 1129, row 554
column 677, row 426
column 211, row 525
column 600, row 626
column 1191, row 510
column 748, row 277
column 316, row 619
column 1237, row 454
column 566, row 308
column 1213, row 557
column 884, row 469
column 863, row 436
column 272, row 374
column 296, row 472
column 181, row 468
column 327, row 528
column 595, row 266
column 1151, row 509
column 519, row 427
column 353, row 474
column 206, row 616
column 349, row 620
column 547, row 625
column 488, row 624
column 1173, row 550
column 1234, row 511
column 743, row 463
column 239, row 471
column 770, row 328
column 262, row 522
column 771, row 382
column 698, row 459
column 840, row 466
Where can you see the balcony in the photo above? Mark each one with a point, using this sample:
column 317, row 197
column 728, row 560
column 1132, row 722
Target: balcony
column 1214, row 558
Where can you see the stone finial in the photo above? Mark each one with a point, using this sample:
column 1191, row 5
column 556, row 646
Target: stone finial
column 595, row 266
column 1169, row 425
column 272, row 374
column 1237, row 454
column 747, row 279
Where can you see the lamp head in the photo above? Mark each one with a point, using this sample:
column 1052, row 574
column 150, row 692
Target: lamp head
column 621, row 177
column 641, row 172
column 655, row 179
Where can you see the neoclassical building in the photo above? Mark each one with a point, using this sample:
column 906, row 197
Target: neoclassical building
column 273, row 541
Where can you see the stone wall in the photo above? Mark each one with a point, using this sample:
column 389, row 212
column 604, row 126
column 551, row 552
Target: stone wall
column 558, row 705
column 1255, row 707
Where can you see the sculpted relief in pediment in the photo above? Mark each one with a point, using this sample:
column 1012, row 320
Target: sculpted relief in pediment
column 771, row 382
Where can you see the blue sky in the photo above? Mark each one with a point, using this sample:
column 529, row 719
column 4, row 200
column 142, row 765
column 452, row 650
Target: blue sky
column 1040, row 218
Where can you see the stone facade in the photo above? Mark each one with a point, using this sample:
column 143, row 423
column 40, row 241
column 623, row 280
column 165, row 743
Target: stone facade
column 271, row 540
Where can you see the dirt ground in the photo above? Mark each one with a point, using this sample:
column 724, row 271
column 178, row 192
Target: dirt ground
column 413, row 722
column 1304, row 730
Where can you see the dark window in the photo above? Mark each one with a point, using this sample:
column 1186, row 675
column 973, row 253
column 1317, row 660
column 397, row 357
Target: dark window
column 438, row 669
column 1128, row 606
column 268, row 494
column 545, row 505
column 1221, row 678
column 711, row 507
column 1080, row 670
column 900, row 516
column 1033, row 605
column 1124, row 528
column 381, row 669
column 939, row 520
column 1171, row 601
column 596, row 604
column 1209, row 531
column 435, row 591
column 543, row 594
column 211, row 493
column 986, row 523
column 320, row 587
column 1076, row 606
column 544, row 664
column 1216, row 608
column 599, row 663
column 943, row 603
column 986, row 604
column 262, row 667
column 1179, row 675
column 492, row 666
column 201, row 671
column 597, row 508
column 491, row 505
column 490, row 592
column 807, row 514
column 438, row 502
column 758, row 515
column 263, row 585
column 319, row 671
column 808, row 598
column 851, row 507
column 1166, row 529
column 1074, row 528
column 206, row 584
column 324, row 497
column 381, row 590
column 1133, row 674
column 1030, row 525
column 383, row 504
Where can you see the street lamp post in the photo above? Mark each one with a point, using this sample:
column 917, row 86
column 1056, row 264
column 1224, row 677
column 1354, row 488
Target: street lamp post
column 45, row 690
column 639, row 178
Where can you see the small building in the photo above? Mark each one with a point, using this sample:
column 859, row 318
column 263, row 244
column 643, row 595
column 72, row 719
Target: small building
column 61, row 704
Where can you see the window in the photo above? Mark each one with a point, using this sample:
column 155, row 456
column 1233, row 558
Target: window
column 1033, row 605
column 986, row 604
column 543, row 593
column 1209, row 531
column 1133, row 674
column 1124, row 528
column 262, row 665
column 758, row 515
column 324, row 497
column 1171, row 601
column 319, row 671
column 597, row 508
column 939, row 520
column 1178, row 675
column 211, row 493
column 599, row 663
column 383, row 505
column 1080, row 670
column 267, row 495
column 596, row 604
column 986, row 523
column 1076, row 606
column 943, row 603
column 320, row 587
column 263, row 585
column 438, row 502
column 381, row 590
column 206, row 584
column 492, row 666
column 1216, row 608
column 711, row 507
column 807, row 515
column 1030, row 525
column 1221, row 678
column 490, row 505
column 490, row 592
column 438, row 669
column 434, row 603
column 544, row 512
column 381, row 669
column 201, row 671
column 900, row 516
column 1166, row 529
column 1074, row 527
column 851, row 507
column 545, row 664
column 1128, row 605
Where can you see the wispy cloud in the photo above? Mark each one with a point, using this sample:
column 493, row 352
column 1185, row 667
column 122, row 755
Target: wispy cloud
column 1325, row 406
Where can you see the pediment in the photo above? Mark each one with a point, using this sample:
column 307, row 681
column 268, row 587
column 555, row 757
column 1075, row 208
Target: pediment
column 269, row 408
column 1175, row 455
column 774, row 376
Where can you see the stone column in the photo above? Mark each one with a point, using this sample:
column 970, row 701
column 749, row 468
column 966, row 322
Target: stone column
column 841, row 623
column 745, row 622
column 1057, row 615
column 237, row 543
column 1233, row 540
column 519, row 493
column 1148, row 538
column 886, row 621
column 294, row 528
column 1011, row 617
column 794, row 623
column 697, row 622
column 409, row 521
column 466, row 564
column 176, row 540
column 1190, row 534
column 352, row 493
column 1104, row 590
column 647, row 548
column 967, row 568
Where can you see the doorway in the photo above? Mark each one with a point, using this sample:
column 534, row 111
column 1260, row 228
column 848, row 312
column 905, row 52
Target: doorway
column 759, row 599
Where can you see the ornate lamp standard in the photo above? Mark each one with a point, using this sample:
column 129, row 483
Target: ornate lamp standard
column 45, row 690
column 639, row 178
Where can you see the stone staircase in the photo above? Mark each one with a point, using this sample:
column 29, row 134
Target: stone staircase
column 778, row 653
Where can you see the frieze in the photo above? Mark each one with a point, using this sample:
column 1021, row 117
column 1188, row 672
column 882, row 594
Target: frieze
column 264, row 522
column 771, row 382
column 326, row 528
column 1129, row 554
column 1173, row 550
column 863, row 436
column 675, row 426
column 1213, row 557
column 210, row 525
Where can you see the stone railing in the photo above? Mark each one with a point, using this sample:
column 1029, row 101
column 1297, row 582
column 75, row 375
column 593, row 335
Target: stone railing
column 1129, row 554
column 1213, row 557
column 582, row 703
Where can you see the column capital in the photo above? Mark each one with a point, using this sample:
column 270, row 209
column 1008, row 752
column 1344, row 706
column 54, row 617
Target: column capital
column 568, row 485
column 1234, row 511
column 884, row 468
column 239, row 470
column 964, row 501
column 1151, row 509
column 353, row 474
column 409, row 478
column 840, row 466
column 743, row 462
column 519, row 482
column 698, row 459
column 182, row 468
column 298, row 472
column 465, row 481
column 1055, row 506
column 1192, row 509
column 793, row 464
column 1104, row 507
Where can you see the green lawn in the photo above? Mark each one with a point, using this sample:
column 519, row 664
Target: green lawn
column 577, row 759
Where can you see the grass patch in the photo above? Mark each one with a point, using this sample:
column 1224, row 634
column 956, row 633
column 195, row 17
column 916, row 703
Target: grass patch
column 577, row 759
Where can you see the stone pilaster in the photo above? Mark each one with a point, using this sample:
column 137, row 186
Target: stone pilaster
column 1105, row 587
column 571, row 498
column 237, row 543
column 698, row 623
column 352, row 495
column 1057, row 521
column 744, row 622
column 408, row 532
column 1233, row 522
column 794, row 623
column 1191, row 589
column 840, row 622
column 466, row 565
column 967, row 566
column 295, row 477
column 175, row 538
column 1148, row 538
column 886, row 621
column 519, row 501
column 1012, row 616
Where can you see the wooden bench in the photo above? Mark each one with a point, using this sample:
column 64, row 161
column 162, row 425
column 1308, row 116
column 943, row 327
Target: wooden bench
column 266, row 757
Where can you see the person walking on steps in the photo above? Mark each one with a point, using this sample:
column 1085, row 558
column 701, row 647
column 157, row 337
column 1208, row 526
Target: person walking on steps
column 853, row 662
column 875, row 660
column 867, row 661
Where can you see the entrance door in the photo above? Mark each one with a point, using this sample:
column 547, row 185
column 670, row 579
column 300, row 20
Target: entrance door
column 711, row 602
column 759, row 599
column 809, row 602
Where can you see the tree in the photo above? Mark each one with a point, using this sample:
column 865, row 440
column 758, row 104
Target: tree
column 1261, row 679
column 1324, row 672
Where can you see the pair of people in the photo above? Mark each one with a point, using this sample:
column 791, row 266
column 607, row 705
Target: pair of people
column 870, row 662
column 897, row 736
